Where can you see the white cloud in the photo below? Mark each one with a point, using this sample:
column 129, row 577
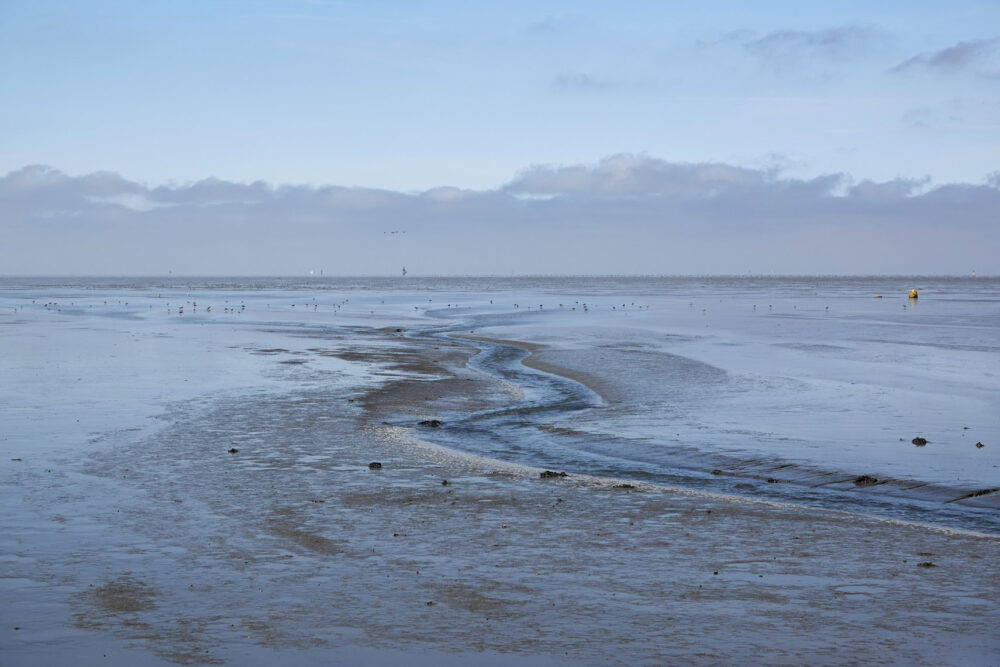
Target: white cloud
column 889, row 191
column 626, row 174
column 625, row 214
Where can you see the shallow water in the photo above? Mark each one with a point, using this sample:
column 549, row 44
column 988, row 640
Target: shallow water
column 809, row 383
column 193, row 488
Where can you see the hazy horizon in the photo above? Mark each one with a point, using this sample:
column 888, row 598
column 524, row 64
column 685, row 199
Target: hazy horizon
column 514, row 276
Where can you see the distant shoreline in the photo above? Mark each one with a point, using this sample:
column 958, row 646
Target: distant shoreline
column 528, row 276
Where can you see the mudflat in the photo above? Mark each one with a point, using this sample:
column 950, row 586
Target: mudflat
column 298, row 487
column 293, row 544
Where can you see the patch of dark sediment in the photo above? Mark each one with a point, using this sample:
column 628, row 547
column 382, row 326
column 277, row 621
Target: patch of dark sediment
column 432, row 378
column 285, row 524
column 122, row 595
column 129, row 608
column 403, row 358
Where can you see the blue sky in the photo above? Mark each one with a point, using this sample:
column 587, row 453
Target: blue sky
column 412, row 96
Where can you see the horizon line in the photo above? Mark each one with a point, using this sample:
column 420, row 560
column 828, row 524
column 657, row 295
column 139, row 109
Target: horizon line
column 411, row 276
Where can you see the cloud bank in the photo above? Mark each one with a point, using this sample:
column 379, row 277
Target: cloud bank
column 627, row 214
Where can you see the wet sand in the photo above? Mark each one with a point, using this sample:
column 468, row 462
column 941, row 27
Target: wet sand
column 625, row 376
column 173, row 550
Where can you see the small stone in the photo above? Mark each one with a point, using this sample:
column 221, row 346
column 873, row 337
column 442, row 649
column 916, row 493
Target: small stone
column 233, row 450
column 865, row 480
column 374, row 465
column 919, row 442
column 445, row 482
column 926, row 563
column 549, row 474
column 430, row 423
column 771, row 480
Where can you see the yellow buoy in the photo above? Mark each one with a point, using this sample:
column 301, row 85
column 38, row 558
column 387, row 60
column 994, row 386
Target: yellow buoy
column 913, row 294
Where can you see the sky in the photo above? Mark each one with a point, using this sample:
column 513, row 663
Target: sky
column 263, row 137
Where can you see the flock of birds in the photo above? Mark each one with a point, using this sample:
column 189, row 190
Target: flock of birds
column 173, row 307
column 191, row 306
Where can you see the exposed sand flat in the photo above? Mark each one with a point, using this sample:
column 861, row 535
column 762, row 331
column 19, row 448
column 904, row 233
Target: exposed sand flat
column 172, row 549
column 197, row 489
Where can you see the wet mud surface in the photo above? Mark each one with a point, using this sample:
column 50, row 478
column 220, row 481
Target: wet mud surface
column 293, row 544
column 248, row 526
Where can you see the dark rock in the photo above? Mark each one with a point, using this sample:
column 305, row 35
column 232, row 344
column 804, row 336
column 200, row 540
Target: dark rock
column 979, row 445
column 549, row 474
column 926, row 563
column 716, row 472
column 919, row 442
column 374, row 465
column 623, row 486
column 233, row 450
column 771, row 480
column 430, row 423
column 445, row 482
column 865, row 480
